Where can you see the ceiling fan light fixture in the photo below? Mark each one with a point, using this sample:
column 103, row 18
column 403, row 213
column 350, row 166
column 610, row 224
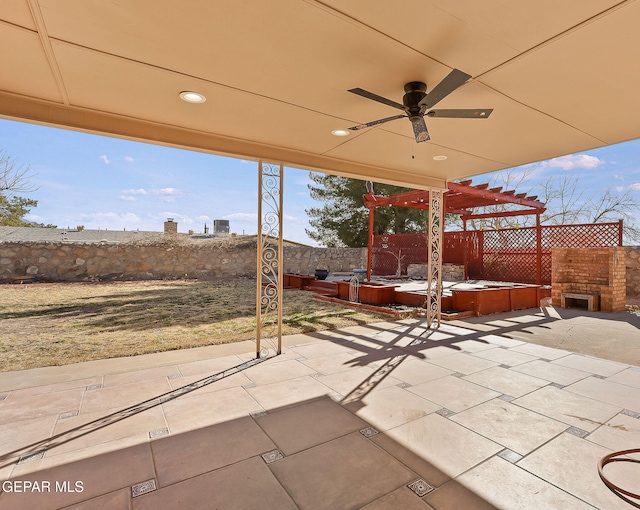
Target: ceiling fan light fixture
column 192, row 97
column 340, row 132
column 441, row 157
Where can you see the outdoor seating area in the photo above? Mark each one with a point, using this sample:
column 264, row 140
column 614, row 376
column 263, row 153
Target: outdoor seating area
column 477, row 414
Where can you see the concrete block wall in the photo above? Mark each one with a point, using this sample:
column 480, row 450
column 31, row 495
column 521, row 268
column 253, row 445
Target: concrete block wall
column 590, row 271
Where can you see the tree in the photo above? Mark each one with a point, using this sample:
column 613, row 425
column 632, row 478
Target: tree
column 343, row 220
column 15, row 178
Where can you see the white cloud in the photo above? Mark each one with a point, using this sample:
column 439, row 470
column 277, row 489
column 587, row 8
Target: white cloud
column 104, row 158
column 203, row 217
column 139, row 191
column 127, row 198
column 636, row 186
column 573, row 161
column 129, row 159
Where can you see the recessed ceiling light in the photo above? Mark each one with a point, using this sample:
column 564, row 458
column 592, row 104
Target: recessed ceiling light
column 192, row 97
column 340, row 132
column 439, row 158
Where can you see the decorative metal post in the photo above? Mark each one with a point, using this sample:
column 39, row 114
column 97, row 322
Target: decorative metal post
column 269, row 278
column 434, row 262
column 370, row 242
column 538, row 250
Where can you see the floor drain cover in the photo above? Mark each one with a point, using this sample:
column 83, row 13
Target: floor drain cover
column 257, row 414
column 403, row 385
column 510, row 456
column 94, row 387
column 143, row 488
column 69, row 414
column 369, row 432
column 577, row 432
column 31, row 457
column 420, row 487
column 633, row 414
column 507, row 398
column 2, row 397
column 445, row 412
column 556, row 385
column 158, row 433
column 272, row 456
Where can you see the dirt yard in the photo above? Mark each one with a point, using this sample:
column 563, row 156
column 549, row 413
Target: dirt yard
column 57, row 324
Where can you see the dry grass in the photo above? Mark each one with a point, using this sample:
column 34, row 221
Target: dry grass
column 57, row 324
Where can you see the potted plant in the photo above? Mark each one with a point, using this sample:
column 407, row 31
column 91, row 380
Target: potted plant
column 321, row 274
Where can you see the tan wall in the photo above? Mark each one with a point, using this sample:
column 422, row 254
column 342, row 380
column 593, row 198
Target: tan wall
column 600, row 271
column 65, row 261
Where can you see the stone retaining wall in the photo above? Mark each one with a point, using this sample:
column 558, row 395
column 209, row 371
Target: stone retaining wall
column 633, row 271
column 67, row 261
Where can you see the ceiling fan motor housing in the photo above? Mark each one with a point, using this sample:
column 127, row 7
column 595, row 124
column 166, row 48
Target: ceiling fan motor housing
column 414, row 93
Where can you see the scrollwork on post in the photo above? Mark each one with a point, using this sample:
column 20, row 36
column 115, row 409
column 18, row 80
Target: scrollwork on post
column 434, row 284
column 269, row 258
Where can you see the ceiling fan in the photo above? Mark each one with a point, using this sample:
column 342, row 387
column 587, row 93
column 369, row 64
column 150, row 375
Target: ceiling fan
column 417, row 104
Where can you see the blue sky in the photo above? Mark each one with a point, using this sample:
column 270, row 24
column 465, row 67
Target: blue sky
column 103, row 182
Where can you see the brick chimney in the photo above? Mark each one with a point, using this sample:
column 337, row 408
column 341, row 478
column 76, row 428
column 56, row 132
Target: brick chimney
column 170, row 226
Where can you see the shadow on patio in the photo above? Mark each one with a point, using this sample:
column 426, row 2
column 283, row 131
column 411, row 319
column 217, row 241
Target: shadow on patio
column 356, row 416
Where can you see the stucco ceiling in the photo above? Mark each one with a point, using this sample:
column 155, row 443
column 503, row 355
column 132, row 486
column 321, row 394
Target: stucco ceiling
column 561, row 77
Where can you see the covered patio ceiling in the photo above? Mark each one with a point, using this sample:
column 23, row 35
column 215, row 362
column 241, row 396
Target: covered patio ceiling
column 560, row 77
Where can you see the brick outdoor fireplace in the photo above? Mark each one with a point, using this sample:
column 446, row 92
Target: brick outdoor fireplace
column 592, row 277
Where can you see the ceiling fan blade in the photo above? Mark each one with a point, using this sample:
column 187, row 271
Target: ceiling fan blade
column 461, row 113
column 451, row 82
column 376, row 97
column 420, row 129
column 375, row 123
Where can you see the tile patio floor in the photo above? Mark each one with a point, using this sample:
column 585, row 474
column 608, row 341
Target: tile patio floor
column 348, row 419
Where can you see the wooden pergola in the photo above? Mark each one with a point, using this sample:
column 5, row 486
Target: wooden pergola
column 462, row 198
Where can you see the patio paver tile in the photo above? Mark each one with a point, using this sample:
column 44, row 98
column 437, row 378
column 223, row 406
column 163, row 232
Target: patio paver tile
column 181, row 456
column 505, row 356
column 588, row 364
column 345, row 382
column 123, row 396
column 117, row 500
column 629, row 377
column 303, row 426
column 570, row 408
column 35, row 406
column 621, row 432
column 402, row 498
column 226, row 488
column 140, row 375
column 414, row 371
column 463, row 363
column 292, row 391
column 99, row 470
column 191, row 412
column 453, row 393
column 348, row 472
column 506, row 381
column 449, row 447
column 550, row 372
column 267, row 373
column 331, row 364
column 455, row 496
column 231, row 381
column 507, row 486
column 503, row 423
column 211, row 366
column 607, row 391
column 541, row 351
column 389, row 407
column 556, row 461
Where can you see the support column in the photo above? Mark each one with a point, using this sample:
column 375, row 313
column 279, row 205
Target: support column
column 434, row 263
column 538, row 250
column 370, row 243
column 269, row 276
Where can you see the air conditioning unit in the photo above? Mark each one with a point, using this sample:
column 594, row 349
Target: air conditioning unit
column 221, row 227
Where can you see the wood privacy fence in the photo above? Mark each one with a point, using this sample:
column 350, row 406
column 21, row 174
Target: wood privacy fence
column 511, row 254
